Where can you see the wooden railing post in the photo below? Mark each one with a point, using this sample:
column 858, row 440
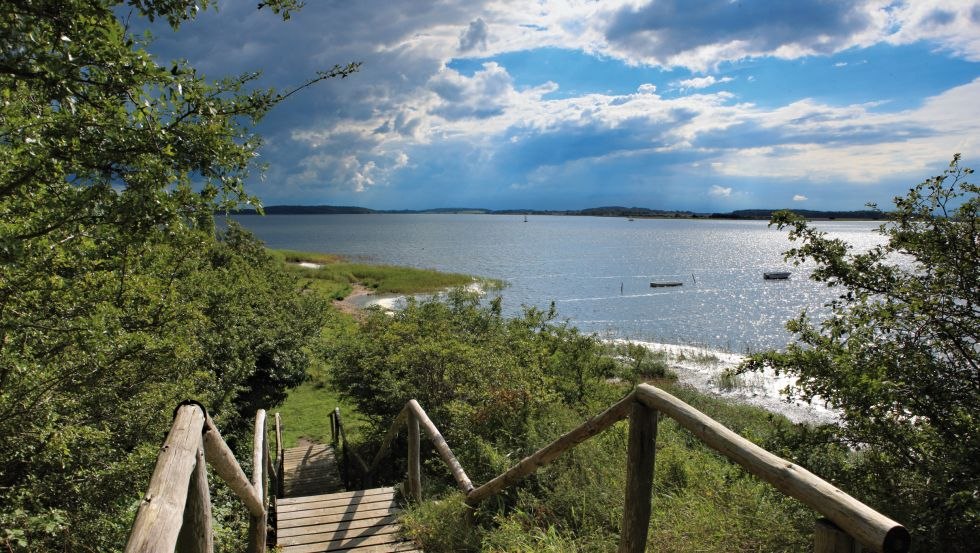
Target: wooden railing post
column 280, row 462
column 641, row 452
column 414, row 461
column 257, row 524
column 196, row 535
column 161, row 512
column 828, row 538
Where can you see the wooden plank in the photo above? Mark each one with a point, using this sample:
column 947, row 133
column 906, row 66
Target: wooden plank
column 550, row 452
column 339, row 495
column 394, row 547
column 161, row 512
column 386, row 517
column 332, row 533
column 640, row 454
column 353, row 543
column 333, row 509
column 345, row 516
column 873, row 529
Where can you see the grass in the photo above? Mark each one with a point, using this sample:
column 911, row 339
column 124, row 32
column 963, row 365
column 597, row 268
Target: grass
column 336, row 277
column 306, row 412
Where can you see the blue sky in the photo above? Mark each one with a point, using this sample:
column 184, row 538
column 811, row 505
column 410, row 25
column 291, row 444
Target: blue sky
column 709, row 105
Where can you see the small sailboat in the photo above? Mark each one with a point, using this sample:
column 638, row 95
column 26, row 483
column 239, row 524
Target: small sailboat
column 525, row 218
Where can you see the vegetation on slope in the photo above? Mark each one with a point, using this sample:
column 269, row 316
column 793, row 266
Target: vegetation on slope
column 899, row 357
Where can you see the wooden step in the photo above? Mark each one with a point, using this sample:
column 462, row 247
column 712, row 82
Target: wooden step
column 363, row 521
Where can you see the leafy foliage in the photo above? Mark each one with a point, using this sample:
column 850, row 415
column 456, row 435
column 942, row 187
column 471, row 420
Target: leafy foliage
column 900, row 358
column 117, row 300
column 499, row 389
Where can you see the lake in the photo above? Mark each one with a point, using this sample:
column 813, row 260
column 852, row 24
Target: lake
column 597, row 270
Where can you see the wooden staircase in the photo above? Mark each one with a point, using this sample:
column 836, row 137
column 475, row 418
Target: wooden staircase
column 315, row 514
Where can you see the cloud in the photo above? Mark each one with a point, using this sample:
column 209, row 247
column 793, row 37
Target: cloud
column 720, row 191
column 673, row 33
column 799, row 198
column 474, row 35
column 701, row 82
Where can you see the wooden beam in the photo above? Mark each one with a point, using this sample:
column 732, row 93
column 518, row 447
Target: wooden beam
column 640, row 456
column 223, row 461
column 550, row 452
column 872, row 529
column 196, row 535
column 161, row 513
column 414, row 459
column 257, row 523
column 442, row 447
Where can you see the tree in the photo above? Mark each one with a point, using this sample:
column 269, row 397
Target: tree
column 116, row 298
column 899, row 357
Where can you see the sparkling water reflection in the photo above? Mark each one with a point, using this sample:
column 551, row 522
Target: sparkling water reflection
column 597, row 270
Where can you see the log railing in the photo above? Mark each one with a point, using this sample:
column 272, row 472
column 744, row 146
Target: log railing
column 848, row 523
column 176, row 510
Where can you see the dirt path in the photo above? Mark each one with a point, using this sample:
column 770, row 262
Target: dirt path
column 348, row 305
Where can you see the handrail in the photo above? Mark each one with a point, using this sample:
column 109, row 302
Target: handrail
column 339, row 435
column 849, row 519
column 177, row 507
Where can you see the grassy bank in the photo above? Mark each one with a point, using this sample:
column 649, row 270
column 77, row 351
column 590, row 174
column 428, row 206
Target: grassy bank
column 336, row 276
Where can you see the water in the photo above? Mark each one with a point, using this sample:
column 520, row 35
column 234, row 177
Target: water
column 580, row 263
column 583, row 263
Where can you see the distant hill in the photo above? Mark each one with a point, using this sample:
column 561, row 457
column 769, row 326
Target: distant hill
column 766, row 214
column 605, row 211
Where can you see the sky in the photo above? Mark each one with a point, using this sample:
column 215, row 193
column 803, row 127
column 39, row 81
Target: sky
column 699, row 105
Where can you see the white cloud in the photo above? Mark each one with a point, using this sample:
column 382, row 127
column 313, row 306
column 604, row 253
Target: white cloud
column 701, row 82
column 720, row 191
column 799, row 198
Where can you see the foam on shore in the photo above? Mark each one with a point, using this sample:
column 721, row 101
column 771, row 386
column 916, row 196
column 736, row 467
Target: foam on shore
column 703, row 368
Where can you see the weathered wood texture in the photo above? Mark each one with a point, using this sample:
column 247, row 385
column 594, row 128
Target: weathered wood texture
column 640, row 454
column 365, row 521
column 414, row 459
column 161, row 513
column 223, row 461
column 441, row 446
column 550, row 452
column 310, row 470
column 872, row 529
column 280, row 449
column 196, row 535
column 828, row 538
column 257, row 524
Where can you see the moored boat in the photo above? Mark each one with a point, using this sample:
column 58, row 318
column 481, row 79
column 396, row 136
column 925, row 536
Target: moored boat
column 776, row 275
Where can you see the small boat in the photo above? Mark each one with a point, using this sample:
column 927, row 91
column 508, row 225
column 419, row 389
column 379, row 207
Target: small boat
column 665, row 284
column 776, row 275
column 525, row 218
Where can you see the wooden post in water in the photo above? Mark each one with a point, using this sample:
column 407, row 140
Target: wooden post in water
column 196, row 535
column 161, row 513
column 828, row 538
column 640, row 456
column 257, row 522
column 414, row 458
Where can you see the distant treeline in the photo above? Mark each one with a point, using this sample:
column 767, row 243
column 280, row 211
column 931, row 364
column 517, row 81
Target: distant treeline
column 606, row 211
